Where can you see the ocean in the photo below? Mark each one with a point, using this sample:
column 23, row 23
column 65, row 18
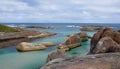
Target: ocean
column 12, row 59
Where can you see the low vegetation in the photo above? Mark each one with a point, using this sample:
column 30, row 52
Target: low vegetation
column 4, row 28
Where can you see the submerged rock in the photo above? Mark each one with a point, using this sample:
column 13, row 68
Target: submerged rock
column 56, row 54
column 105, row 41
column 98, row 61
column 73, row 41
column 24, row 46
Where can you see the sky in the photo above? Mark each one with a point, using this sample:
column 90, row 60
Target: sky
column 60, row 11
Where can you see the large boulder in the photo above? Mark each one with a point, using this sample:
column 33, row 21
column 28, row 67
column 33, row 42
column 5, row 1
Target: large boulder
column 98, row 61
column 56, row 54
column 73, row 41
column 24, row 46
column 109, row 39
column 116, row 36
column 106, row 44
column 94, row 40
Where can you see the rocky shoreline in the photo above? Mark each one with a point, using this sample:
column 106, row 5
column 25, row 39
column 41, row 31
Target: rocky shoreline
column 104, row 54
column 92, row 28
column 97, row 61
column 12, row 38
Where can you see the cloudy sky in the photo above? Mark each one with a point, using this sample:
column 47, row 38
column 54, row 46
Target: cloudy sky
column 60, row 11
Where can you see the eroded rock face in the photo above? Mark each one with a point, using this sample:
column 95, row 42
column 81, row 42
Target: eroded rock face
column 73, row 41
column 56, row 54
column 105, row 41
column 98, row 61
column 106, row 44
column 95, row 40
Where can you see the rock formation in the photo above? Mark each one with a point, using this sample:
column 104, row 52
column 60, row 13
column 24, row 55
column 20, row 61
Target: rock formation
column 43, row 34
column 10, row 37
column 98, row 61
column 24, row 46
column 56, row 54
column 47, row 44
column 105, row 41
column 92, row 28
column 73, row 41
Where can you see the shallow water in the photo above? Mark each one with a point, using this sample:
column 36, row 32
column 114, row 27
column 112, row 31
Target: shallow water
column 11, row 59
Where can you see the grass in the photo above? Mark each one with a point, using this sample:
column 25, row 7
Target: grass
column 4, row 28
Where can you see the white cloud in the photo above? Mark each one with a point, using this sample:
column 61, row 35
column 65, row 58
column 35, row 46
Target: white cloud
column 58, row 10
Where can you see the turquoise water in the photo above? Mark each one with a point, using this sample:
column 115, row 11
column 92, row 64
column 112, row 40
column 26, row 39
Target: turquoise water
column 11, row 59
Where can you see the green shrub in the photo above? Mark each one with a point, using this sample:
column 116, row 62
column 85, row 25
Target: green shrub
column 4, row 28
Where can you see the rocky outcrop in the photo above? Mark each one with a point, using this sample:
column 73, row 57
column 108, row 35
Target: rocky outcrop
column 44, row 34
column 105, row 45
column 105, row 41
column 56, row 54
column 73, row 41
column 47, row 44
column 98, row 61
column 92, row 28
column 13, row 38
column 24, row 46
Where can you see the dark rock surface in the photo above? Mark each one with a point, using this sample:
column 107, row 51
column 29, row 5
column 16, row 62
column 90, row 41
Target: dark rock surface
column 98, row 61
column 106, row 39
column 105, row 45
column 56, row 54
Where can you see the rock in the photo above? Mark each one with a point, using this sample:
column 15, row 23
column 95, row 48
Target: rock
column 45, row 34
column 84, row 36
column 24, row 46
column 56, row 54
column 105, row 45
column 68, row 35
column 98, row 61
column 95, row 40
column 107, row 32
column 116, row 36
column 107, row 40
column 73, row 41
column 92, row 28
column 47, row 44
